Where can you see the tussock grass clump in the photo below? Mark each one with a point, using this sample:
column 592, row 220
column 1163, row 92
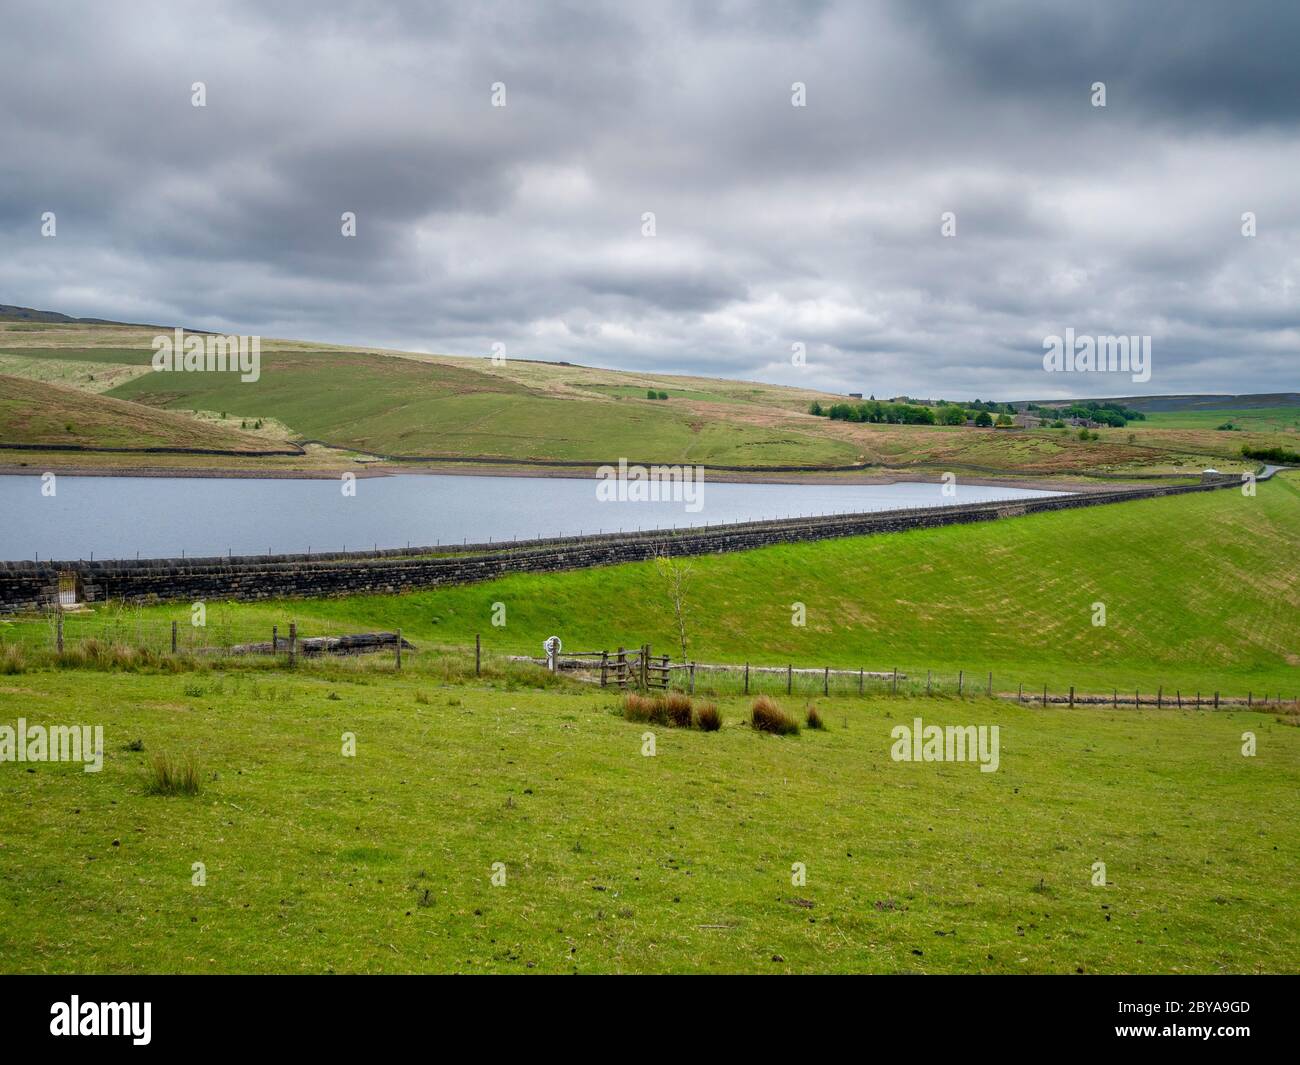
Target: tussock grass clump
column 13, row 660
column 173, row 776
column 767, row 716
column 679, row 709
column 707, row 718
column 94, row 653
column 813, row 719
column 672, row 709
column 644, row 709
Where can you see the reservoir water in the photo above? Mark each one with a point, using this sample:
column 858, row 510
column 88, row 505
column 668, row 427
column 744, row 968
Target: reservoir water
column 153, row 517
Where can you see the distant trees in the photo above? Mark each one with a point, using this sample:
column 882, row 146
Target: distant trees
column 1004, row 419
column 952, row 416
column 876, row 411
column 1277, row 454
column 653, row 394
column 984, row 419
column 1108, row 412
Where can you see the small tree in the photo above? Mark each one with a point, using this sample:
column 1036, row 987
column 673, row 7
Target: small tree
column 984, row 419
column 676, row 573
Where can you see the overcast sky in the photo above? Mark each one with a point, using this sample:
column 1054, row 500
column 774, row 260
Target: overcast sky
column 774, row 224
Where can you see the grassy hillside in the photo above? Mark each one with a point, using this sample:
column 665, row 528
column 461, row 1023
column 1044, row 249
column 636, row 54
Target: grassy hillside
column 1252, row 419
column 404, row 404
column 33, row 412
column 1201, row 592
column 401, row 406
column 617, row 862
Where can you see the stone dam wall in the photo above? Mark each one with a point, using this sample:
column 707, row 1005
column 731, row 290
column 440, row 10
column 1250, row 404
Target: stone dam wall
column 28, row 586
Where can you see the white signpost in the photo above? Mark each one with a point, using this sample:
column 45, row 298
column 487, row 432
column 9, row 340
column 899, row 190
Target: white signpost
column 552, row 648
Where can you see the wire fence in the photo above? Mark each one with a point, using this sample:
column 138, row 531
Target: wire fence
column 221, row 634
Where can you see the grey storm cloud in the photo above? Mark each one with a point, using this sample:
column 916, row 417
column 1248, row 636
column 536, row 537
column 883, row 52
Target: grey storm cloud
column 775, row 225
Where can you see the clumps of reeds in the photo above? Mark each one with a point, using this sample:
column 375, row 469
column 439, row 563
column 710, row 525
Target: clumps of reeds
column 672, row 710
column 173, row 776
column 767, row 715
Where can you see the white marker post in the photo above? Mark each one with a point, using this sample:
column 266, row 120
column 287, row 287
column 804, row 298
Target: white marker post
column 552, row 648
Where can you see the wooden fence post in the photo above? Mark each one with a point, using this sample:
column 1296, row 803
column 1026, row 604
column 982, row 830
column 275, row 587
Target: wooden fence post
column 1178, row 692
column 961, row 676
column 826, row 681
column 604, row 668
column 990, row 691
column 789, row 678
column 746, row 678
column 58, row 630
column 1044, row 694
column 173, row 637
column 1071, row 696
column 1114, row 698
column 1160, row 697
column 1216, row 700
column 293, row 642
column 1020, row 693
column 692, row 678
column 895, row 680
column 1248, row 698
column 927, row 681
column 622, row 667
column 398, row 659
column 861, row 674
column 478, row 657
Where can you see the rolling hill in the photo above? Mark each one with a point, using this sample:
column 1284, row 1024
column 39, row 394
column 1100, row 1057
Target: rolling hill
column 411, row 408
column 38, row 412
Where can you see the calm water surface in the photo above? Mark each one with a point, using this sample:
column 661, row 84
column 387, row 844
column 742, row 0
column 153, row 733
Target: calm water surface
column 120, row 517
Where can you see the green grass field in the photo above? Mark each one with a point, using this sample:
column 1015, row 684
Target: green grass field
column 619, row 862
column 1249, row 419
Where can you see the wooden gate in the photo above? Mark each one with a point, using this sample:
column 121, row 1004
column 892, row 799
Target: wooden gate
column 636, row 669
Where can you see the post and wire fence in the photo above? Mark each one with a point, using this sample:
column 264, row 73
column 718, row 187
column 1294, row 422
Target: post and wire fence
column 218, row 634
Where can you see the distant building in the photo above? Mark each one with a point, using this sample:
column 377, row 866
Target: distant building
column 855, row 395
